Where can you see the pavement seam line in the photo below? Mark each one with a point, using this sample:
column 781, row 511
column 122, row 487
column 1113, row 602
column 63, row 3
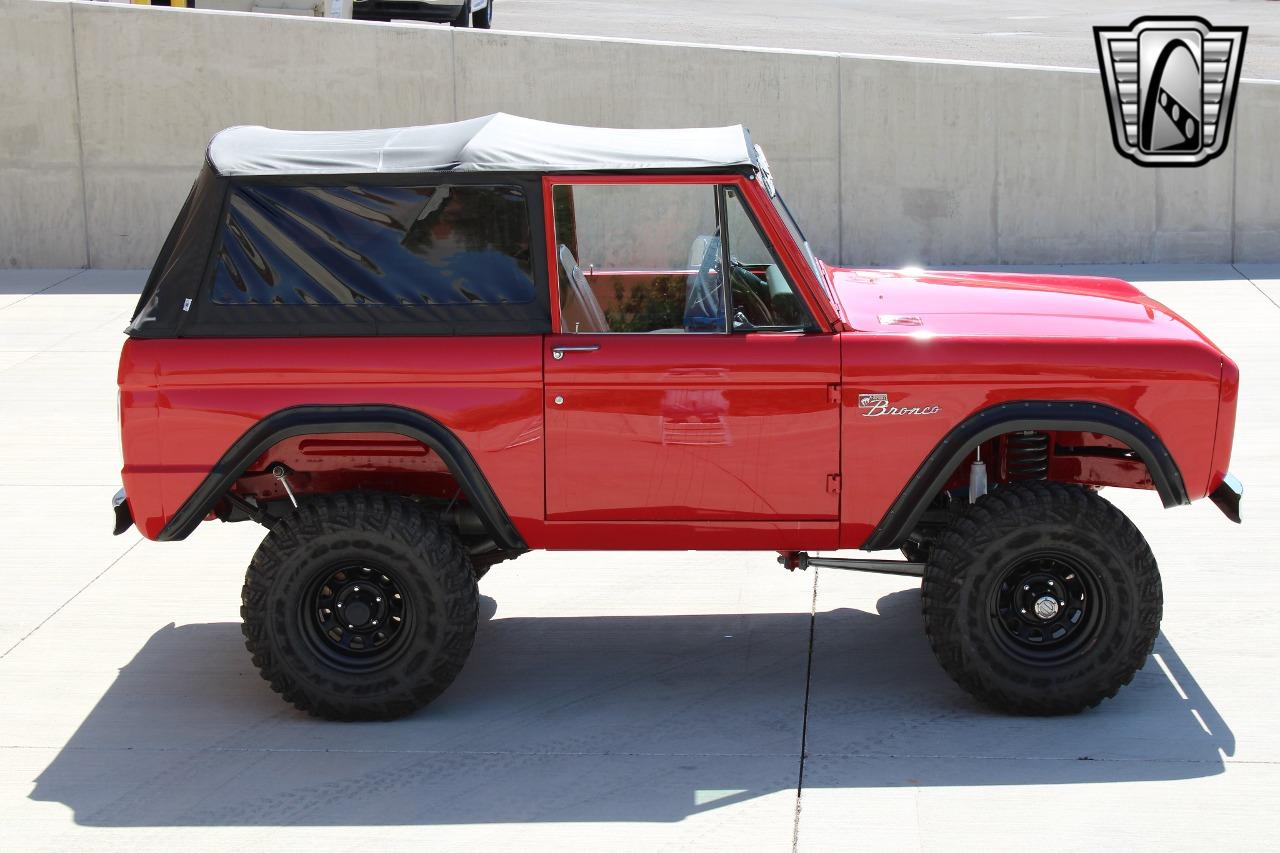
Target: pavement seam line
column 76, row 595
column 1234, row 200
column 1265, row 295
column 804, row 726
column 50, row 347
column 840, row 162
column 73, row 274
column 84, row 191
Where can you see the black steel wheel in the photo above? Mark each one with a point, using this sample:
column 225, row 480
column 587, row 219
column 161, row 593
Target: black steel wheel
column 1041, row 598
column 360, row 606
column 356, row 615
column 1047, row 607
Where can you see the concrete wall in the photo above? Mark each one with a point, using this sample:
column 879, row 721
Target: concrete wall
column 107, row 110
column 42, row 215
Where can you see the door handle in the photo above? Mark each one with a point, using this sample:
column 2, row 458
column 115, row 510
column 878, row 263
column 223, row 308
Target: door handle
column 558, row 352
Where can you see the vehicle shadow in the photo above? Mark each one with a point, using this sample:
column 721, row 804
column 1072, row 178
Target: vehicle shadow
column 638, row 718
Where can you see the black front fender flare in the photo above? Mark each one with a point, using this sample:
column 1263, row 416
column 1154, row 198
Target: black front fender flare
column 314, row 420
column 1042, row 415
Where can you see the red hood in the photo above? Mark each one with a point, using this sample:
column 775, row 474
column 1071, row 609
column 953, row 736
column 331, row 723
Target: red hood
column 1003, row 304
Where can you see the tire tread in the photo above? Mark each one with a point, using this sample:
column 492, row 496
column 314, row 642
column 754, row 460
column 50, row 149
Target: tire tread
column 951, row 565
column 379, row 517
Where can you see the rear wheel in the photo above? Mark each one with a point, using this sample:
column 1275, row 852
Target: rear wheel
column 359, row 606
column 483, row 19
column 1042, row 598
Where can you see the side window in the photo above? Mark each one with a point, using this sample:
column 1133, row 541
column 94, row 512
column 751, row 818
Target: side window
column 375, row 245
column 639, row 258
column 762, row 294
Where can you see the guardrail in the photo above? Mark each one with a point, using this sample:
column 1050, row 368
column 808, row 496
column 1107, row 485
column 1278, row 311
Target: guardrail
column 107, row 110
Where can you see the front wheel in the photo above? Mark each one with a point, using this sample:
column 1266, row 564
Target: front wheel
column 359, row 606
column 483, row 19
column 1042, row 598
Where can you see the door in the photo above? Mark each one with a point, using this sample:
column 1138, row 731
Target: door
column 687, row 381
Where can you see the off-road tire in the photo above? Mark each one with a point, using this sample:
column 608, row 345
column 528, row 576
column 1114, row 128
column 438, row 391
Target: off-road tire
column 1018, row 523
column 433, row 576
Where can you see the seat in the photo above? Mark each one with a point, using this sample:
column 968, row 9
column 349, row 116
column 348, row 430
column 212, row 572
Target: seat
column 580, row 312
column 704, row 302
column 782, row 299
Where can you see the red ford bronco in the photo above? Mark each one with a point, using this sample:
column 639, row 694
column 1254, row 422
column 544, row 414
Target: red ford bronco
column 411, row 354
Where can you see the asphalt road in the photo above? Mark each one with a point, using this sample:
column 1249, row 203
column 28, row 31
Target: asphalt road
column 1036, row 32
column 619, row 701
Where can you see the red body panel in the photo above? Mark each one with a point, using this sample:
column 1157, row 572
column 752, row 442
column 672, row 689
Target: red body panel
column 488, row 390
column 693, row 428
column 750, row 441
column 964, row 341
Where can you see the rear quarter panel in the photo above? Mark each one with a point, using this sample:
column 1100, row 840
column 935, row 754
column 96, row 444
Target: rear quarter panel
column 185, row 402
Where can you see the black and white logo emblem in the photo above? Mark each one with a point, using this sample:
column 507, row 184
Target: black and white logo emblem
column 1171, row 85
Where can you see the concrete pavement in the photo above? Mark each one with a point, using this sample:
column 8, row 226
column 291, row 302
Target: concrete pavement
column 634, row 701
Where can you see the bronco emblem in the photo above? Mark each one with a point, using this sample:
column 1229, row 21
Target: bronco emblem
column 877, row 405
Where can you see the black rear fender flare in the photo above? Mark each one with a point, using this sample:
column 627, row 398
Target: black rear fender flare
column 900, row 520
column 316, row 420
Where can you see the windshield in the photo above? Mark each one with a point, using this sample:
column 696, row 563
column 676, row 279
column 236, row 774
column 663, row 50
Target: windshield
column 785, row 212
column 798, row 236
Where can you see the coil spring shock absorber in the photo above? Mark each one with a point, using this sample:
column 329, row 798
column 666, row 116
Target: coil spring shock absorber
column 1028, row 455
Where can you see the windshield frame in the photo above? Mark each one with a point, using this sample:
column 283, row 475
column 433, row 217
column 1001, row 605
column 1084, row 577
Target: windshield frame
column 793, row 227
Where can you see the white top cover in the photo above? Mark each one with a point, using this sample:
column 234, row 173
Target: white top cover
column 498, row 142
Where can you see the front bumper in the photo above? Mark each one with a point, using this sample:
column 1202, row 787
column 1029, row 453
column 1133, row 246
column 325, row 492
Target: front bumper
column 1227, row 497
column 124, row 515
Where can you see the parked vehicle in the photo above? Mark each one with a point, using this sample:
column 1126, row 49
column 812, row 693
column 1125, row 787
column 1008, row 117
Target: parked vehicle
column 412, row 354
column 459, row 13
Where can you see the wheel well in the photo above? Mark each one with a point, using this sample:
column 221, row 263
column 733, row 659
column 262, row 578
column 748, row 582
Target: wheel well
column 1065, row 456
column 1086, row 443
column 340, row 448
column 324, row 463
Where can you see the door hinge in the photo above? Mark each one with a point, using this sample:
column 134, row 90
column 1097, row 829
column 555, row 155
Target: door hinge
column 833, row 484
column 833, row 393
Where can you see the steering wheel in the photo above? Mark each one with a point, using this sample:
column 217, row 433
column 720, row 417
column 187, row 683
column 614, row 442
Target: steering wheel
column 750, row 298
column 704, row 306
